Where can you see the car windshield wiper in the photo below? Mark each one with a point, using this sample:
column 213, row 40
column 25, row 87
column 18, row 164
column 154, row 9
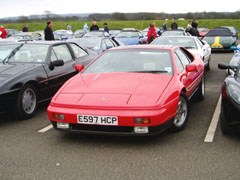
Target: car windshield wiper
column 155, row 71
column 12, row 54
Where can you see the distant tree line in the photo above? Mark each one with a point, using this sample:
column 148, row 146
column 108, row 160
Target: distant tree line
column 123, row 16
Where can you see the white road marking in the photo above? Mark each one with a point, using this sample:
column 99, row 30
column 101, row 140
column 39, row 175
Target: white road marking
column 213, row 126
column 46, row 129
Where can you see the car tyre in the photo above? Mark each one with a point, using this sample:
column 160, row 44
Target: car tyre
column 27, row 102
column 181, row 117
column 208, row 66
column 225, row 128
column 201, row 90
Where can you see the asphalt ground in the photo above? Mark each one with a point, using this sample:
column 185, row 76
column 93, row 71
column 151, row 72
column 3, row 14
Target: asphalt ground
column 27, row 154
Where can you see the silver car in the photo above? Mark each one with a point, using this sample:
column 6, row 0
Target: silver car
column 191, row 43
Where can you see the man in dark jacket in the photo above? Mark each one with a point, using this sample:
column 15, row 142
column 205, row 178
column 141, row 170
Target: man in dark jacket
column 48, row 32
column 25, row 28
column 193, row 31
column 106, row 27
column 174, row 25
column 94, row 27
column 194, row 24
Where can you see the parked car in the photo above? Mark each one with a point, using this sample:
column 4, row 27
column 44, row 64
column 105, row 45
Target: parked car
column 131, row 37
column 233, row 30
column 62, row 35
column 25, row 36
column 230, row 106
column 131, row 90
column 11, row 32
column 191, row 43
column 79, row 33
column 202, row 31
column 100, row 33
column 175, row 32
column 97, row 44
column 114, row 32
column 6, row 49
column 34, row 71
column 220, row 39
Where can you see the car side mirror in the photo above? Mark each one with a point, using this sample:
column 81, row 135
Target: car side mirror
column 191, row 68
column 56, row 64
column 79, row 67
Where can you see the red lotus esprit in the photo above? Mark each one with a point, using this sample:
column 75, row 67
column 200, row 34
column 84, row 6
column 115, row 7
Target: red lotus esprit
column 131, row 90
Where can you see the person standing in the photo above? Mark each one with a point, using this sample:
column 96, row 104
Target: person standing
column 85, row 27
column 194, row 24
column 69, row 28
column 106, row 27
column 164, row 27
column 174, row 25
column 151, row 33
column 4, row 32
column 94, row 27
column 25, row 28
column 49, row 32
column 189, row 26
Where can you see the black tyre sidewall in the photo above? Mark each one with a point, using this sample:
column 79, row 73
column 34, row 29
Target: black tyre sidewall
column 19, row 108
column 180, row 128
column 225, row 128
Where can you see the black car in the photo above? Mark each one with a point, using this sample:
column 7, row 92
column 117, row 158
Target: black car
column 34, row 71
column 230, row 107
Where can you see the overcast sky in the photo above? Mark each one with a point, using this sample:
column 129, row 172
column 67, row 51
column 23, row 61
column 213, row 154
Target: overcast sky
column 10, row 8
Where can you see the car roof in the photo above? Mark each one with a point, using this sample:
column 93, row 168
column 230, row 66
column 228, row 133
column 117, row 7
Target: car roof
column 219, row 32
column 169, row 47
column 46, row 42
column 193, row 37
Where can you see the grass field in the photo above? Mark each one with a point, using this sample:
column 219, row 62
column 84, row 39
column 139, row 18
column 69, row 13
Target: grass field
column 209, row 23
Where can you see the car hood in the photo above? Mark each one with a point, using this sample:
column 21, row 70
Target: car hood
column 9, row 70
column 113, row 90
column 219, row 40
column 129, row 41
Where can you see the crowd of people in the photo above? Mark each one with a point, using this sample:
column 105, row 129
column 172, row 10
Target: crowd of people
column 152, row 33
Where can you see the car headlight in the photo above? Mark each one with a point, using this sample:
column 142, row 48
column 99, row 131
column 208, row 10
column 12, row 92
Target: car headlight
column 234, row 92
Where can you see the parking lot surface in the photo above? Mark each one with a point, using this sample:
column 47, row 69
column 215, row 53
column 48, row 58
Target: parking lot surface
column 26, row 152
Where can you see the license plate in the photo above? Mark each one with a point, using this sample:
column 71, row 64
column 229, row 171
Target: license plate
column 97, row 120
column 216, row 47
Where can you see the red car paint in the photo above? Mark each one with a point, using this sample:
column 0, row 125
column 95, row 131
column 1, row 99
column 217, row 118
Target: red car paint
column 126, row 95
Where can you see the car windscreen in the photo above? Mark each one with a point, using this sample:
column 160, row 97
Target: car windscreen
column 188, row 43
column 91, row 43
column 6, row 49
column 128, row 34
column 133, row 61
column 29, row 53
column 94, row 34
column 172, row 33
column 114, row 32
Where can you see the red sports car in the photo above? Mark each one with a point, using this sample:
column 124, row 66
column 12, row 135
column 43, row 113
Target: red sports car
column 134, row 90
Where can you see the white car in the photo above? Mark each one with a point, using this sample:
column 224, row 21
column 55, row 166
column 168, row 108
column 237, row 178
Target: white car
column 192, row 43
